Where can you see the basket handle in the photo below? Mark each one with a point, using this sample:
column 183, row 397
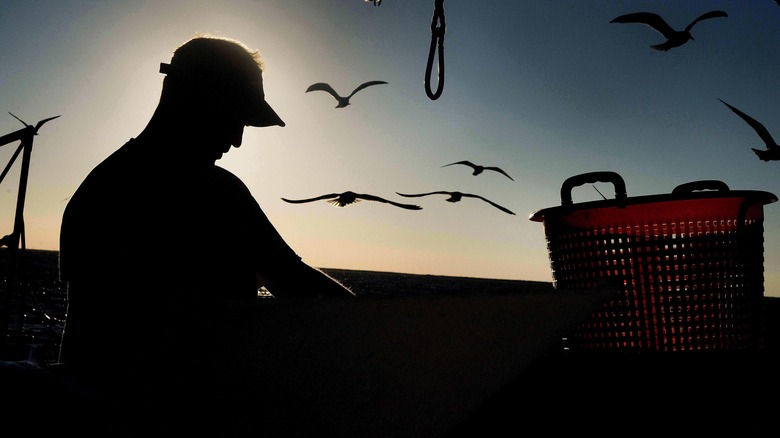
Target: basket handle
column 705, row 184
column 590, row 178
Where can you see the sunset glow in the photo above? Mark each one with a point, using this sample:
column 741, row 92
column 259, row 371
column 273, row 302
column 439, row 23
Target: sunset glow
column 544, row 90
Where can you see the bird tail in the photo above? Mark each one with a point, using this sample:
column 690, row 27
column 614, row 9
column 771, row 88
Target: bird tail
column 764, row 155
column 661, row 47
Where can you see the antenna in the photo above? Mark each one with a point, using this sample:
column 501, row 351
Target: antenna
column 605, row 198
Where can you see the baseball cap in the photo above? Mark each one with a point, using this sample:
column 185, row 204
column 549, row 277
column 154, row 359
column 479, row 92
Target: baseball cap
column 229, row 68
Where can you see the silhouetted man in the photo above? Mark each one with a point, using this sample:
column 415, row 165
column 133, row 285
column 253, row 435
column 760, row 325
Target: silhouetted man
column 157, row 238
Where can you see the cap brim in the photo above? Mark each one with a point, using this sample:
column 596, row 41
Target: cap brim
column 264, row 115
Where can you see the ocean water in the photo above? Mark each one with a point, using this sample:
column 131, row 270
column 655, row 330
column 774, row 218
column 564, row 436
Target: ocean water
column 33, row 301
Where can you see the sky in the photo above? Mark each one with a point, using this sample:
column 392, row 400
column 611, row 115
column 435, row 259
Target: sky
column 543, row 89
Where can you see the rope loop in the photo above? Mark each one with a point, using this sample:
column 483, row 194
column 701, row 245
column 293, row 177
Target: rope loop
column 438, row 28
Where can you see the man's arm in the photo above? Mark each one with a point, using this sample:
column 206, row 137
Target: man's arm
column 302, row 281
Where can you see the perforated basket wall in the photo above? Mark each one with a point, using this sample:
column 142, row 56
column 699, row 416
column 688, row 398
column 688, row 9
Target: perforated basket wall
column 690, row 270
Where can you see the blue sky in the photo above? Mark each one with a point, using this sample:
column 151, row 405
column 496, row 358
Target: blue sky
column 546, row 90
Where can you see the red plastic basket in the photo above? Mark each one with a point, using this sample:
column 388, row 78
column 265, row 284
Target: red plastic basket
column 689, row 265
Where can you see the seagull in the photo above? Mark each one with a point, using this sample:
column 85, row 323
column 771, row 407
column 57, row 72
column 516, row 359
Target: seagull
column 772, row 151
column 342, row 101
column 456, row 197
column 479, row 169
column 346, row 198
column 674, row 38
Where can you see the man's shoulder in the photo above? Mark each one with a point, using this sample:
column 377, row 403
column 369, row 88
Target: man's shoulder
column 122, row 159
column 105, row 175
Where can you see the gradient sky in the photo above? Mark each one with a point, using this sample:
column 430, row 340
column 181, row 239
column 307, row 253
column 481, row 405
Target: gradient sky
column 544, row 89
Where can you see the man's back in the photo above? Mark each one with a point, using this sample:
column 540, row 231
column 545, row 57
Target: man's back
column 144, row 247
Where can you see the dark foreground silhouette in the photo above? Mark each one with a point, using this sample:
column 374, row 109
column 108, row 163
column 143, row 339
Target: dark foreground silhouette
column 426, row 366
column 421, row 355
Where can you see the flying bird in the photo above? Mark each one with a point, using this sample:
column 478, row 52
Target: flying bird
column 772, row 151
column 456, row 197
column 674, row 38
column 479, row 169
column 346, row 198
column 342, row 101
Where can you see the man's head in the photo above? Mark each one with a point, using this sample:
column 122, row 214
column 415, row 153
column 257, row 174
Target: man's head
column 220, row 75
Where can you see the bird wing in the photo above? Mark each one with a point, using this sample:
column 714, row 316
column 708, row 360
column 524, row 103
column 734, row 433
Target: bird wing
column 649, row 19
column 466, row 162
column 416, row 195
column 387, row 201
column 705, row 16
column 364, row 85
column 301, row 201
column 322, row 86
column 504, row 209
column 499, row 170
column 756, row 125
